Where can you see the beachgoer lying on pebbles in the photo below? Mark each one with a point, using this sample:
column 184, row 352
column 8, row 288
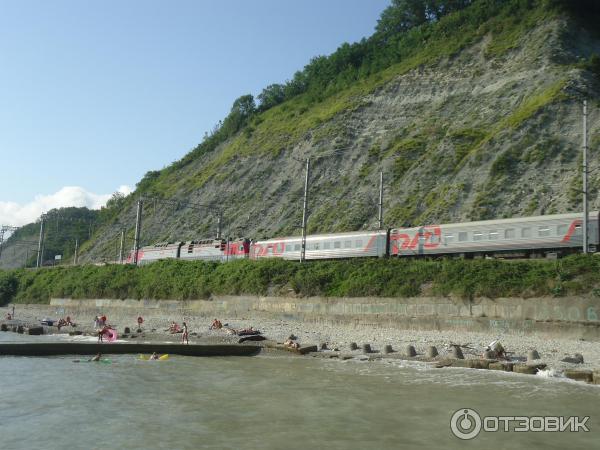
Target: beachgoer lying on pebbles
column 291, row 344
column 247, row 332
column 216, row 325
column 174, row 328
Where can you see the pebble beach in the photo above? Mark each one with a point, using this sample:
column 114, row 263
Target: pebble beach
column 338, row 337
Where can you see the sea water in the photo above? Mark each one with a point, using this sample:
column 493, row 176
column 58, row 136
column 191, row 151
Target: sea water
column 268, row 402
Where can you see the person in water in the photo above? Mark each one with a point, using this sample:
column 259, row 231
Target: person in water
column 184, row 334
column 96, row 358
column 154, row 356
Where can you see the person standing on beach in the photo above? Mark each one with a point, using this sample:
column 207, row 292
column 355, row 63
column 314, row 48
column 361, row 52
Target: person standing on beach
column 184, row 334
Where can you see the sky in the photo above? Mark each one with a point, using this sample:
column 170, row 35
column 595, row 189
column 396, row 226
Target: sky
column 95, row 94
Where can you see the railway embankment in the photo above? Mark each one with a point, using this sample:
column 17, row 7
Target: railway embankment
column 577, row 275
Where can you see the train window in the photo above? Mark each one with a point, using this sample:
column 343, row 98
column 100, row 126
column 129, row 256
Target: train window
column 462, row 236
column 449, row 238
column 347, row 244
column 509, row 233
column 326, row 245
column 477, row 235
column 561, row 230
column 337, row 244
column 525, row 232
column 316, row 245
column 358, row 243
column 578, row 229
column 297, row 247
column 288, row 247
column 241, row 248
column 543, row 231
column 493, row 235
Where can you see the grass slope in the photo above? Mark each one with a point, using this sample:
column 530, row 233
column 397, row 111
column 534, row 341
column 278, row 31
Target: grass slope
column 178, row 280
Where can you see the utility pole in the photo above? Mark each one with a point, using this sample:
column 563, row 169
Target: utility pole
column 138, row 230
column 121, row 245
column 219, row 223
column 380, row 226
column 40, row 253
column 75, row 255
column 585, row 180
column 305, row 211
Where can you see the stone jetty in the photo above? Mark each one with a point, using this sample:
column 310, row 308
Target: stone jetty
column 76, row 348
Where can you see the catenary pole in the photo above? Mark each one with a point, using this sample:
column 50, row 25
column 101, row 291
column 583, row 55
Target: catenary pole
column 380, row 221
column 40, row 251
column 585, row 180
column 76, row 255
column 305, row 211
column 138, row 230
column 121, row 245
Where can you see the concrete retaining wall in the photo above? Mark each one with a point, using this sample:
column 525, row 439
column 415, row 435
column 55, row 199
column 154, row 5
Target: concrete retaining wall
column 575, row 317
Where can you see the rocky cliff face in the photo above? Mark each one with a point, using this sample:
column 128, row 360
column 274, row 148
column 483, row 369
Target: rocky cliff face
column 480, row 133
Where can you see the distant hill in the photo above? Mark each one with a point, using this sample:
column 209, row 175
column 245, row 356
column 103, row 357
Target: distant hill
column 63, row 226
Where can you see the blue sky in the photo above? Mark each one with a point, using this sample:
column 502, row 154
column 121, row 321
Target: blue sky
column 95, row 94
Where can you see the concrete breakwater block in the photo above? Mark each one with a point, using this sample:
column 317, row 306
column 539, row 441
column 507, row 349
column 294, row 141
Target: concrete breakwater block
column 472, row 363
column 580, row 375
column 577, row 358
column 3, row 327
column 35, row 331
column 501, row 365
column 530, row 369
column 75, row 333
column 432, row 351
column 456, row 352
column 353, row 346
column 388, row 349
column 532, row 355
column 20, row 329
column 410, row 351
column 366, row 348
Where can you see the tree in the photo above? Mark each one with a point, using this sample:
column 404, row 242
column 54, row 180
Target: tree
column 244, row 106
column 270, row 96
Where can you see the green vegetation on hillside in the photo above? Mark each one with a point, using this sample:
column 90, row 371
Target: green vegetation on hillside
column 410, row 34
column 178, row 280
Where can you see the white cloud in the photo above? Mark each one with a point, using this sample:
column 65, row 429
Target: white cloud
column 15, row 214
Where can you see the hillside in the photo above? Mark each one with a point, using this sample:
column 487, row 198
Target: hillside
column 472, row 112
column 63, row 226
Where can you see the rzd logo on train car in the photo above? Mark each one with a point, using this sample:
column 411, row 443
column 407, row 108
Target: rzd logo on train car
column 424, row 238
column 268, row 249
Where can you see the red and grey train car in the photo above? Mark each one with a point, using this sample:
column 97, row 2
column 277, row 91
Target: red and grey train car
column 358, row 244
column 207, row 250
column 559, row 233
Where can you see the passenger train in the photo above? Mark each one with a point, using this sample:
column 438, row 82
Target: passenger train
column 551, row 235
